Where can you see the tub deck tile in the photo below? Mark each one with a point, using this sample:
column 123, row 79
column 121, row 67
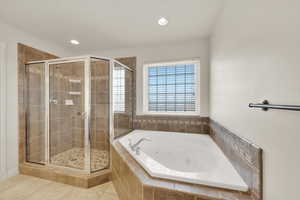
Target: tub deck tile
column 161, row 189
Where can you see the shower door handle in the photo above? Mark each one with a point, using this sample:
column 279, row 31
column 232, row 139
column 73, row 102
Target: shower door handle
column 82, row 114
column 53, row 101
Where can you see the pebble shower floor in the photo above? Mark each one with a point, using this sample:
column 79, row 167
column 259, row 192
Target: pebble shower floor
column 74, row 158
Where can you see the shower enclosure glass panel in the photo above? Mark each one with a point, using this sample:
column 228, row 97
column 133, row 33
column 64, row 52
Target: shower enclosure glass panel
column 67, row 114
column 35, row 110
column 122, row 100
column 100, row 110
column 73, row 105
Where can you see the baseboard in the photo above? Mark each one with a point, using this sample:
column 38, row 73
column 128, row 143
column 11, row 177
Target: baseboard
column 12, row 172
column 9, row 173
column 3, row 176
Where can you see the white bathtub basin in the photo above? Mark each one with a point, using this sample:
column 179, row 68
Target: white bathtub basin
column 192, row 158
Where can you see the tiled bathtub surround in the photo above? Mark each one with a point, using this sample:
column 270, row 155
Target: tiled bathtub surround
column 189, row 158
column 189, row 124
column 245, row 156
column 133, row 183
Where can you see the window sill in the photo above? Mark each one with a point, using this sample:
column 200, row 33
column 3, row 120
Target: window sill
column 172, row 113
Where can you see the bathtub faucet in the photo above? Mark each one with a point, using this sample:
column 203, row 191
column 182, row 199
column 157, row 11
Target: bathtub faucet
column 135, row 147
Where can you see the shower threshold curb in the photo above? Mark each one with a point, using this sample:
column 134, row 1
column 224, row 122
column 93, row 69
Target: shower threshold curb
column 66, row 176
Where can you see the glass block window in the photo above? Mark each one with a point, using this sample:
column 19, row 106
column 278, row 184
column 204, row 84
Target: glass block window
column 119, row 89
column 172, row 87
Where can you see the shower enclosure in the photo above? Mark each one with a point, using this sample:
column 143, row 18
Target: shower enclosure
column 73, row 107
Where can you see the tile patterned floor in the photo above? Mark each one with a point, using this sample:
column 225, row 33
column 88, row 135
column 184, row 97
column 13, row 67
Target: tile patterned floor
column 30, row 188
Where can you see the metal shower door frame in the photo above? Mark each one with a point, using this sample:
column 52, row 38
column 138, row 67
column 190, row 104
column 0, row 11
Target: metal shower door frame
column 87, row 105
column 87, row 110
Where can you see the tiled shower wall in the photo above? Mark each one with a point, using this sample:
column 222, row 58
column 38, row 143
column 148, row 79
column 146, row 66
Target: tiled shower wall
column 100, row 105
column 27, row 54
column 67, row 127
column 75, row 111
column 66, row 123
column 35, row 109
column 68, row 120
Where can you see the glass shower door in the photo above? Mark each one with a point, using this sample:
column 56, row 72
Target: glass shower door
column 100, row 109
column 35, row 113
column 67, row 116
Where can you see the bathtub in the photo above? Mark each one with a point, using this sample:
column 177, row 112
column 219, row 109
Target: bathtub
column 185, row 157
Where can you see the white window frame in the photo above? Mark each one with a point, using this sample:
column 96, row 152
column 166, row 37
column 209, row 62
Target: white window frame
column 114, row 110
column 3, row 170
column 146, row 111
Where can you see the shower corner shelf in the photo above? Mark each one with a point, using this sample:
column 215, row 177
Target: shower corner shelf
column 74, row 93
column 74, row 80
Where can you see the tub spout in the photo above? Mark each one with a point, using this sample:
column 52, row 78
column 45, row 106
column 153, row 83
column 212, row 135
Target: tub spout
column 135, row 146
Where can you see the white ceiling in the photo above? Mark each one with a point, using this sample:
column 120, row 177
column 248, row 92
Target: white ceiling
column 108, row 24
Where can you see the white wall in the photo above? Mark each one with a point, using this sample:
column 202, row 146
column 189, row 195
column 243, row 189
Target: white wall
column 255, row 55
column 188, row 50
column 2, row 112
column 10, row 37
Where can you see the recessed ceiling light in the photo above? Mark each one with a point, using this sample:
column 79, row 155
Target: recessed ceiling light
column 75, row 42
column 163, row 21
